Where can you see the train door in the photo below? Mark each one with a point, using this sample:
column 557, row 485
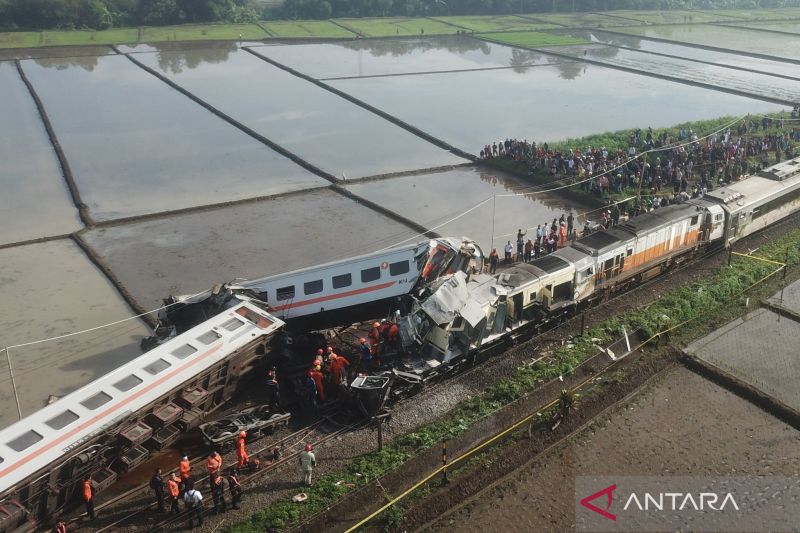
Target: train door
column 715, row 223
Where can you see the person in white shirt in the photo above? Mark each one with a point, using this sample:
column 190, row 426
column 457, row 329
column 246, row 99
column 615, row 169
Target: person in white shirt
column 307, row 463
column 194, row 505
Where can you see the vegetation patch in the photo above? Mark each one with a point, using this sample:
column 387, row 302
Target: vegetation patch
column 388, row 27
column 319, row 29
column 699, row 302
column 498, row 23
column 531, row 39
column 200, row 32
column 20, row 39
column 116, row 36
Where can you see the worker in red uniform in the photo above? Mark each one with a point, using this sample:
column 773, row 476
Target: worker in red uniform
column 338, row 364
column 174, row 488
column 375, row 337
column 212, row 464
column 88, row 497
column 186, row 468
column 316, row 375
column 394, row 335
column 241, row 452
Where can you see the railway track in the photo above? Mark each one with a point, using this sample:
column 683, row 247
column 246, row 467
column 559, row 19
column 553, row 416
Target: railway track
column 290, row 445
column 309, row 433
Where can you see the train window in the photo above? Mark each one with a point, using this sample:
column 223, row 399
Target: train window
column 401, row 267
column 233, row 324
column 95, row 401
column 184, row 351
column 285, row 293
column 312, row 287
column 718, row 217
column 629, row 252
column 24, row 441
column 63, row 420
column 694, row 220
column 208, row 337
column 342, row 280
column 126, row 384
column 254, row 317
column 157, row 366
column 370, row 274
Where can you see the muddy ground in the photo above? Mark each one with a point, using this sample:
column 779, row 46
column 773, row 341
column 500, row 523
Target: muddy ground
column 680, row 424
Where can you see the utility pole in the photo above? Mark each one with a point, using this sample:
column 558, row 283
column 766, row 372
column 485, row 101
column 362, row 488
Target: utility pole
column 13, row 383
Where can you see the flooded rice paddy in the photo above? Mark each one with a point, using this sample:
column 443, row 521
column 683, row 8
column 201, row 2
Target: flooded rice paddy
column 51, row 289
column 190, row 253
column 737, row 39
column 757, row 85
column 434, row 199
column 355, row 59
column 319, row 126
column 468, row 109
column 137, row 146
column 35, row 201
column 766, row 66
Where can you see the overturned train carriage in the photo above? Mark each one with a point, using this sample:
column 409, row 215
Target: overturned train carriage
column 112, row 425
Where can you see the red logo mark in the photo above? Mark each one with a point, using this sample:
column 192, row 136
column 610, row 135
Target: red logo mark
column 609, row 493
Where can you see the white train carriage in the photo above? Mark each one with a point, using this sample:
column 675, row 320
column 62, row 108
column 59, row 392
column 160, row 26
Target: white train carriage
column 44, row 455
column 348, row 283
column 759, row 200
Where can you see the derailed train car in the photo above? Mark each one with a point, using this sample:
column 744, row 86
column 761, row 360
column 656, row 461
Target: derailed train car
column 465, row 312
column 113, row 424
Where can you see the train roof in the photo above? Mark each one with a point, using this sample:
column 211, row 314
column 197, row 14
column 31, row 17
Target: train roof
column 519, row 274
column 31, row 444
column 598, row 241
column 770, row 182
column 659, row 217
column 549, row 264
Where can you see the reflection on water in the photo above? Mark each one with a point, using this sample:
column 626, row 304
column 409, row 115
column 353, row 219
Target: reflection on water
column 34, row 201
column 736, row 39
column 544, row 103
column 395, row 56
column 317, row 125
column 87, row 63
column 58, row 51
column 78, row 297
column 174, row 59
column 761, row 85
column 137, row 146
column 433, row 199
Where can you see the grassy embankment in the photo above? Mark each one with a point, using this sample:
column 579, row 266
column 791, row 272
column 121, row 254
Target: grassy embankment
column 375, row 27
column 690, row 310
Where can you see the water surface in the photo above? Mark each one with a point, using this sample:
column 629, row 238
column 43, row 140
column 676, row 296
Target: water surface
column 137, row 146
column 190, row 253
column 545, row 103
column 680, row 69
column 434, row 199
column 51, row 289
column 735, row 39
column 35, row 201
column 396, row 56
column 765, row 66
column 55, row 52
column 319, row 126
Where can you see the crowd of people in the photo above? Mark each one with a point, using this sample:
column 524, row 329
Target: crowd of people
column 685, row 165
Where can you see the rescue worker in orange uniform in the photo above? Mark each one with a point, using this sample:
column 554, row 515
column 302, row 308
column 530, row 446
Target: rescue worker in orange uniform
column 316, row 375
column 186, row 468
column 213, row 464
column 88, row 497
column 338, row 364
column 394, row 335
column 173, row 486
column 241, row 452
column 375, row 337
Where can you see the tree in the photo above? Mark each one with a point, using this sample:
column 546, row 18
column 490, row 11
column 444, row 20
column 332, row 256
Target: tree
column 159, row 12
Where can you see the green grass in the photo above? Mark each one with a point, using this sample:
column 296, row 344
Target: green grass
column 295, row 29
column 115, row 36
column 392, row 27
column 531, row 39
column 201, row 32
column 577, row 20
column 496, row 23
column 19, row 39
column 672, row 17
column 757, row 14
